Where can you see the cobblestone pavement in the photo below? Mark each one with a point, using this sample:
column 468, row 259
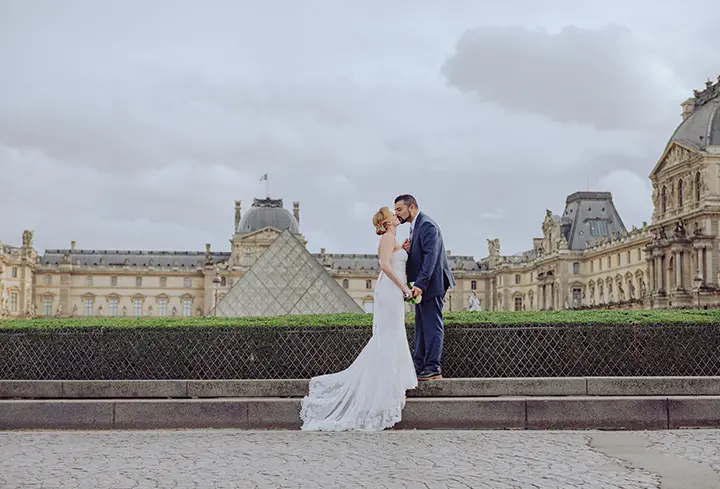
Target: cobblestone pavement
column 249, row 459
column 698, row 446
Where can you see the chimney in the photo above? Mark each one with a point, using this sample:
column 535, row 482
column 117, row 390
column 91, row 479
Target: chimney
column 296, row 211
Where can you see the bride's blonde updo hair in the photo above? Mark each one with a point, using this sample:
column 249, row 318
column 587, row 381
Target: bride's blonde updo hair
column 381, row 220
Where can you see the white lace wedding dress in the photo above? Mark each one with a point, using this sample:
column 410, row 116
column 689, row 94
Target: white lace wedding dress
column 370, row 394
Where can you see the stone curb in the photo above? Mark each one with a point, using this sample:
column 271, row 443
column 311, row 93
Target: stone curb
column 616, row 413
column 295, row 388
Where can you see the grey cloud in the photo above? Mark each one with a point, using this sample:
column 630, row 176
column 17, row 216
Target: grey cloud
column 598, row 77
column 138, row 126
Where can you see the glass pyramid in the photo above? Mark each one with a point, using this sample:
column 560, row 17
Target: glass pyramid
column 286, row 279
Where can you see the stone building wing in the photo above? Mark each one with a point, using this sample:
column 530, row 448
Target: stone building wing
column 590, row 217
column 368, row 262
column 286, row 279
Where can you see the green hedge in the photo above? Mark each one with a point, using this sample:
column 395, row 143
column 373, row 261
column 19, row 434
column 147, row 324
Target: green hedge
column 451, row 318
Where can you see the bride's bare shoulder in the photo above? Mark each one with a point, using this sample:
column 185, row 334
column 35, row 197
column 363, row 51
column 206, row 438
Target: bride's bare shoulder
column 388, row 244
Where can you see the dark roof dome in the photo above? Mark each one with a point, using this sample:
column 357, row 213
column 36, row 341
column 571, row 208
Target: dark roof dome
column 268, row 213
column 701, row 125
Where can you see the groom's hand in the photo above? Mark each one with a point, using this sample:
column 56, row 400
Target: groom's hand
column 406, row 244
column 416, row 291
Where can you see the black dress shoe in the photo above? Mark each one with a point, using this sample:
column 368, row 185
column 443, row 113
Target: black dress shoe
column 429, row 376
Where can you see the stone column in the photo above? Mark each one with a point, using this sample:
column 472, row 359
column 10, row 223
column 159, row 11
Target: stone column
column 683, row 269
column 652, row 275
column 663, row 285
column 704, row 263
column 678, row 269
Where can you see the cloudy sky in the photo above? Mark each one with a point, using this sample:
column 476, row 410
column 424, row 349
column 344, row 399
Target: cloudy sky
column 135, row 125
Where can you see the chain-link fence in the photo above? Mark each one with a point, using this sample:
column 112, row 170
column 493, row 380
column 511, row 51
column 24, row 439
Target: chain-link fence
column 285, row 353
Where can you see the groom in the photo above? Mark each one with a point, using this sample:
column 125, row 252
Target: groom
column 428, row 267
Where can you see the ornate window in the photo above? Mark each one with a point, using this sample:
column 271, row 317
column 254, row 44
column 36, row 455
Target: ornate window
column 473, row 285
column 162, row 306
column 518, row 303
column 663, row 199
column 138, row 307
column 114, row 306
column 13, row 301
column 697, row 187
column 88, row 306
column 47, row 305
column 368, row 284
column 680, row 192
column 187, row 304
column 346, row 284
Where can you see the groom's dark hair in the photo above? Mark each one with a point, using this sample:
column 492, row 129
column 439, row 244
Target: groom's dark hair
column 407, row 199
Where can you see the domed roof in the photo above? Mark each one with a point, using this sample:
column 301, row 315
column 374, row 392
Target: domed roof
column 701, row 128
column 268, row 213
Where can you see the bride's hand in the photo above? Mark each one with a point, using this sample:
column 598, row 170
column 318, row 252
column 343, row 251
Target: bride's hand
column 406, row 292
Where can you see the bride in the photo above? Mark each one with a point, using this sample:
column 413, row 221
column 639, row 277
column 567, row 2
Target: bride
column 370, row 394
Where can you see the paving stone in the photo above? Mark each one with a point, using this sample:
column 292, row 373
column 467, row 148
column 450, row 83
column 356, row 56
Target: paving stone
column 392, row 459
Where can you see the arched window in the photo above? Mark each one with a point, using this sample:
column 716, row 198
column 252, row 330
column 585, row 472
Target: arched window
column 663, row 197
column 346, row 284
column 473, row 285
column 697, row 187
column 368, row 284
column 680, row 192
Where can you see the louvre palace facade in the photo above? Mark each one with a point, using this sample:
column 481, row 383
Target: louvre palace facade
column 585, row 257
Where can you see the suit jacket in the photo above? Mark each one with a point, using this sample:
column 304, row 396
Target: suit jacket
column 427, row 263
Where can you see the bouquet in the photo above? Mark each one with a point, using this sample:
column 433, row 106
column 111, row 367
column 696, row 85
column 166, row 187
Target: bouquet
column 413, row 300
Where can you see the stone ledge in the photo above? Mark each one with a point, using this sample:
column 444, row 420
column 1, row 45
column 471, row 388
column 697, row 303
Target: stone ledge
column 616, row 413
column 653, row 386
column 694, row 412
column 463, row 413
column 56, row 415
column 297, row 388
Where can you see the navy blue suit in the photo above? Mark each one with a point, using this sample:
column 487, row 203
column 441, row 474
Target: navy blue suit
column 428, row 267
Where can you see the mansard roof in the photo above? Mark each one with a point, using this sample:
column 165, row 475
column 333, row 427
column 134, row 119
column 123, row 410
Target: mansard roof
column 590, row 216
column 132, row 258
